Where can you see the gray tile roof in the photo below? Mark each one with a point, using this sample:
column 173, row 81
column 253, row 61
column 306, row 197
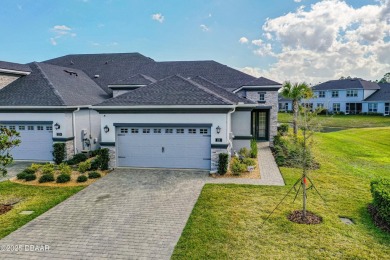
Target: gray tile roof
column 283, row 99
column 262, row 82
column 174, row 90
column 347, row 84
column 138, row 79
column 50, row 85
column 14, row 66
column 382, row 94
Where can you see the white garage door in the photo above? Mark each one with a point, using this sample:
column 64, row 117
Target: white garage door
column 164, row 147
column 36, row 142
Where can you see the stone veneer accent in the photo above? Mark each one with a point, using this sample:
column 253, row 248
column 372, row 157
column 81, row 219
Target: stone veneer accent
column 112, row 154
column 215, row 158
column 69, row 149
column 6, row 79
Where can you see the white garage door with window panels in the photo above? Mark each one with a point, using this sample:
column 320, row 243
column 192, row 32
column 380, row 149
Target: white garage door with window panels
column 164, row 146
column 36, row 141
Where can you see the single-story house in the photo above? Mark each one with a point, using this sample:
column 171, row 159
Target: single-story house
column 178, row 114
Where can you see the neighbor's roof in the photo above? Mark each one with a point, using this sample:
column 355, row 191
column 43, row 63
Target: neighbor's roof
column 262, row 82
column 14, row 66
column 50, row 85
column 173, row 90
column 383, row 94
column 117, row 66
column 347, row 84
column 283, row 99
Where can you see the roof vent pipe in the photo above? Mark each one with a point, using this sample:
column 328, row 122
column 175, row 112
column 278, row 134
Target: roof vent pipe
column 96, row 76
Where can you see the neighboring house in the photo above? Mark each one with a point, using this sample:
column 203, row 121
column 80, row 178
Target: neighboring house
column 345, row 95
column 379, row 102
column 10, row 72
column 149, row 114
column 285, row 104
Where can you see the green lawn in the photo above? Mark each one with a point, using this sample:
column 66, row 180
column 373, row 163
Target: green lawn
column 226, row 221
column 37, row 199
column 344, row 121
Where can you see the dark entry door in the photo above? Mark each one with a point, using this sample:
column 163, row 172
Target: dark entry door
column 260, row 125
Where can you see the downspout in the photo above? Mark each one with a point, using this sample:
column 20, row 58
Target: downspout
column 74, row 129
column 227, row 127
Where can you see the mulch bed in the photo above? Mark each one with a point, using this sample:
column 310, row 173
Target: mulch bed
column 4, row 208
column 311, row 218
column 378, row 221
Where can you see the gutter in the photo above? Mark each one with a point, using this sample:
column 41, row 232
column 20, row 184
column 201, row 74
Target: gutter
column 17, row 72
column 74, row 129
column 227, row 124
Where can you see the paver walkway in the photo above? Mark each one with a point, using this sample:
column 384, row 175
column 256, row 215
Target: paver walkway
column 269, row 170
column 129, row 214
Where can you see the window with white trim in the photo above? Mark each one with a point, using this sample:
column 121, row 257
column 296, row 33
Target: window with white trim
column 124, row 130
column 22, row 127
column 203, row 131
column 320, row 105
column 40, row 128
column 261, row 96
column 352, row 93
column 180, row 131
column 373, row 107
column 30, row 127
column 321, row 94
column 12, row 127
column 336, row 107
column 49, row 128
column 169, row 131
column 335, row 93
column 146, row 131
column 157, row 130
column 134, row 130
column 192, row 131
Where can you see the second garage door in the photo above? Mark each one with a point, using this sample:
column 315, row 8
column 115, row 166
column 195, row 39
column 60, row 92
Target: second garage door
column 164, row 147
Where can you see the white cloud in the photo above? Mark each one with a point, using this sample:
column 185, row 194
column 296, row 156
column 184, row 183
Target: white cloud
column 60, row 31
column 53, row 41
column 328, row 40
column 297, row 1
column 243, row 40
column 204, row 28
column 158, row 17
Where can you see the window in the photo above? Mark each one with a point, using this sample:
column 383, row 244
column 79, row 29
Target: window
column 353, row 108
column 321, row 94
column 352, row 93
column 373, row 107
column 157, row 131
column 49, row 128
column 336, row 107
column 204, row 131
column 261, row 96
column 169, row 131
column 283, row 106
column 192, row 131
column 124, row 130
column 134, row 130
column 22, row 127
column 335, row 93
column 179, row 131
column 40, row 128
column 30, row 127
column 308, row 106
column 320, row 105
column 12, row 127
column 146, row 131
column 387, row 109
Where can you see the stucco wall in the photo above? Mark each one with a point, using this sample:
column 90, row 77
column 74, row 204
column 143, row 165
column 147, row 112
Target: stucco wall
column 90, row 121
column 6, row 79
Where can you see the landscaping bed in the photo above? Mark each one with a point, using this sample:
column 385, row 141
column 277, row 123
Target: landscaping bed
column 254, row 174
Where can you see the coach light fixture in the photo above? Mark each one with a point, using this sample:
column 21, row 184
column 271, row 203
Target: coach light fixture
column 218, row 129
column 106, row 129
column 57, row 126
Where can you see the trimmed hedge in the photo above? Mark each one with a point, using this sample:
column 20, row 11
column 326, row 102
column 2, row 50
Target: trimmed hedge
column 94, row 175
column 77, row 158
column 30, row 177
column 84, row 166
column 63, row 177
column 104, row 158
column 223, row 162
column 380, row 190
column 82, row 178
column 253, row 148
column 59, row 152
column 49, row 177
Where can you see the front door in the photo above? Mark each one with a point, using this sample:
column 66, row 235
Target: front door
column 260, row 124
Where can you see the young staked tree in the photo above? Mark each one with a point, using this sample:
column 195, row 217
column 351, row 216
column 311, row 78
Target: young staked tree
column 296, row 92
column 8, row 140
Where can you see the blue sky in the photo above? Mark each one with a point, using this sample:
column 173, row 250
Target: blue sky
column 35, row 30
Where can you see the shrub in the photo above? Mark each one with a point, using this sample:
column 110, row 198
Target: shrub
column 248, row 161
column 30, row 177
column 283, row 129
column 63, row 177
column 223, row 161
column 253, row 148
column 95, row 153
column 46, row 178
column 64, row 168
column 77, row 158
column 84, row 166
column 244, row 152
column 380, row 190
column 35, row 167
column 48, row 168
column 82, row 178
column 104, row 158
column 59, row 152
column 95, row 164
column 29, row 170
column 21, row 176
column 236, row 167
column 94, row 175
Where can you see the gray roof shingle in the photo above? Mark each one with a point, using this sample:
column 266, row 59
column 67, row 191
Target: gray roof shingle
column 138, row 79
column 383, row 94
column 50, row 85
column 14, row 66
column 262, row 82
column 347, row 84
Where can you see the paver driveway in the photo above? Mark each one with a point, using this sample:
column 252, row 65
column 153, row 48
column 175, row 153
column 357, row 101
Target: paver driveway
column 129, row 214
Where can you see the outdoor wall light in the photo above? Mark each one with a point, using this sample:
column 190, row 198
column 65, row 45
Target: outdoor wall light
column 57, row 126
column 218, row 129
column 106, row 129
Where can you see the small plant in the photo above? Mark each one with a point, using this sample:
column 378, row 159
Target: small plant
column 77, row 158
column 223, row 161
column 84, row 166
column 30, row 177
column 94, row 175
column 95, row 164
column 253, row 148
column 380, row 190
column 82, row 178
column 104, row 159
column 63, row 177
column 29, row 170
column 236, row 167
column 283, row 129
column 48, row 177
column 47, row 168
column 64, row 168
column 249, row 161
column 36, row 167
column 21, row 176
column 244, row 152
column 59, row 152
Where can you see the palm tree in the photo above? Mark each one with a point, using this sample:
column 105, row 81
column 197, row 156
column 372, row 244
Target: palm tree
column 296, row 92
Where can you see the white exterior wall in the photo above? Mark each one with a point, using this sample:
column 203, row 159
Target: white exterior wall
column 90, row 121
column 381, row 107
